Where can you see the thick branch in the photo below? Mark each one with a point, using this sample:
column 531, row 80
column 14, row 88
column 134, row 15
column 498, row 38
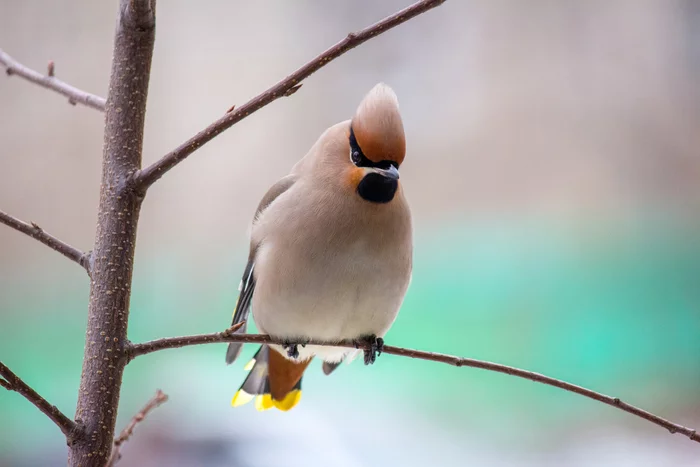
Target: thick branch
column 229, row 336
column 37, row 233
column 12, row 382
column 286, row 87
column 49, row 81
column 126, row 433
column 115, row 236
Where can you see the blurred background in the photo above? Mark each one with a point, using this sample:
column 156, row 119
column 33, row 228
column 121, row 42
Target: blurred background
column 554, row 176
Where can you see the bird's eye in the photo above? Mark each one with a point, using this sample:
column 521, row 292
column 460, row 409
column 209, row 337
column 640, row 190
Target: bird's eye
column 356, row 157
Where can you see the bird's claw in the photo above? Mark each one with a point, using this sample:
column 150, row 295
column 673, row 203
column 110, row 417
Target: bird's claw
column 292, row 350
column 372, row 347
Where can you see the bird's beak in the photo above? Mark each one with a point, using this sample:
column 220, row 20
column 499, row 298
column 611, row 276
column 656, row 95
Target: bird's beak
column 392, row 173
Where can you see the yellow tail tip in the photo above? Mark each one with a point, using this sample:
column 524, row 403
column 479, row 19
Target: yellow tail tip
column 264, row 402
column 289, row 401
column 241, row 398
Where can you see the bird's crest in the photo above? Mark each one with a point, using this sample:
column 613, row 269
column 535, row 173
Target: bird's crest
column 378, row 127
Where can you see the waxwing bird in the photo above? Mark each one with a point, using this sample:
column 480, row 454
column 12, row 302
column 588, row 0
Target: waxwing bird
column 330, row 253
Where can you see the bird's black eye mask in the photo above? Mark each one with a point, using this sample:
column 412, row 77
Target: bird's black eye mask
column 360, row 160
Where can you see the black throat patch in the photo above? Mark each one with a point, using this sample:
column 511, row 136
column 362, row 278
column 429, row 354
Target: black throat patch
column 377, row 188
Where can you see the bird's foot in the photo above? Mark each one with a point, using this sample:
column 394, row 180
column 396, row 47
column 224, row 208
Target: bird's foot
column 372, row 347
column 293, row 348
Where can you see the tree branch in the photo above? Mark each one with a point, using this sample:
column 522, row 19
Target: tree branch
column 49, row 81
column 115, row 235
column 12, row 382
column 37, row 233
column 126, row 433
column 289, row 85
column 229, row 335
column 136, row 350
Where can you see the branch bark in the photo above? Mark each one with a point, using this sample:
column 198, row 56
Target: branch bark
column 113, row 256
column 12, row 382
column 286, row 87
column 49, row 81
column 228, row 335
column 37, row 233
column 126, row 433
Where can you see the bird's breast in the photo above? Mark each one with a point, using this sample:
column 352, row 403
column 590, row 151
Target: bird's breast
column 331, row 275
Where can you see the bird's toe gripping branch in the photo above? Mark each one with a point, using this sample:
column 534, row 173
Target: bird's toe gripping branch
column 292, row 348
column 372, row 347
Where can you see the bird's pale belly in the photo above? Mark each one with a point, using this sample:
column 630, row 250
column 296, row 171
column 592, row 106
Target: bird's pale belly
column 349, row 295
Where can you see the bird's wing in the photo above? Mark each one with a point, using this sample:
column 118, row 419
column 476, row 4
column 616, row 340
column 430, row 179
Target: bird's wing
column 247, row 286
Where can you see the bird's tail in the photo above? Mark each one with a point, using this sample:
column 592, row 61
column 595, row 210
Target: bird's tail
column 273, row 381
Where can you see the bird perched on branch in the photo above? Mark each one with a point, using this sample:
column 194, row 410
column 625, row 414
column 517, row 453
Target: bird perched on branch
column 330, row 253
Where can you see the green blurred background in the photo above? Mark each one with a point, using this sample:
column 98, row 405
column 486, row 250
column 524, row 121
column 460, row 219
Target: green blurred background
column 554, row 175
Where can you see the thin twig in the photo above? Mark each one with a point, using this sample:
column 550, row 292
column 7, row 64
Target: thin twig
column 146, row 177
column 37, row 233
column 49, row 81
column 229, row 336
column 12, row 382
column 136, row 350
column 126, row 433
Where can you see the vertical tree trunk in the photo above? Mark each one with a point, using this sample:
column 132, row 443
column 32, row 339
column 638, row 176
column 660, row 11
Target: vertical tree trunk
column 115, row 239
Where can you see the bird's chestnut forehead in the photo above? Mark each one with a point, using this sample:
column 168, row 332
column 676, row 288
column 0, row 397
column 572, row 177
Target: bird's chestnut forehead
column 380, row 143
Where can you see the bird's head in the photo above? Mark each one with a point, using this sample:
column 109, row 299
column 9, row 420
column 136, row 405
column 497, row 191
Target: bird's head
column 377, row 145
